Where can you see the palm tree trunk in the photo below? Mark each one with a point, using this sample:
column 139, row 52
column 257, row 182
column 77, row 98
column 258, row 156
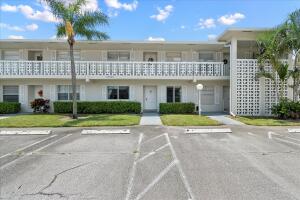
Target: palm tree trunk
column 73, row 74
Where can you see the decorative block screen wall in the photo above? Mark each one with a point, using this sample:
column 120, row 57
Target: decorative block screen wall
column 270, row 92
column 254, row 96
column 247, row 93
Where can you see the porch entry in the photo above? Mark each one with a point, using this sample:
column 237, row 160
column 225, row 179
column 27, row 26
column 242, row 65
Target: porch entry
column 150, row 98
column 150, row 56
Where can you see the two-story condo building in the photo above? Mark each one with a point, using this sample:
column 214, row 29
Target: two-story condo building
column 147, row 72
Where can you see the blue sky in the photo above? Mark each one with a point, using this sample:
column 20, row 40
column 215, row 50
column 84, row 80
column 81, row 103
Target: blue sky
column 172, row 20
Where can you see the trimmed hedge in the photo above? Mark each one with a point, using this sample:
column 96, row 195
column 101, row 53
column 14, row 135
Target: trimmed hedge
column 98, row 107
column 9, row 107
column 176, row 108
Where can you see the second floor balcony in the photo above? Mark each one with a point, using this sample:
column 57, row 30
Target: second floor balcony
column 114, row 70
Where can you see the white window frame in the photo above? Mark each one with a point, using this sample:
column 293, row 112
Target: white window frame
column 118, row 93
column 10, row 94
column 69, row 92
column 76, row 57
column 207, row 52
column 173, row 93
column 174, row 52
column 118, row 52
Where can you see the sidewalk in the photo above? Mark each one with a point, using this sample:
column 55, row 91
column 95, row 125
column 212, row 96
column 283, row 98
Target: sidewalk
column 224, row 119
column 150, row 119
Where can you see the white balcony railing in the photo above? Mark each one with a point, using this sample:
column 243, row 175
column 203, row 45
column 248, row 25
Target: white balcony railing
column 106, row 69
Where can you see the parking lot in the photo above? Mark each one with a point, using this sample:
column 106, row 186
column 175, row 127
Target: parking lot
column 152, row 162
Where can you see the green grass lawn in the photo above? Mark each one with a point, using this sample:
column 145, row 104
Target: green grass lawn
column 54, row 120
column 187, row 120
column 267, row 121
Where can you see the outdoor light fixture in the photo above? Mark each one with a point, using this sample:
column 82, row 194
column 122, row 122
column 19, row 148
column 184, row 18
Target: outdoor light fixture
column 199, row 88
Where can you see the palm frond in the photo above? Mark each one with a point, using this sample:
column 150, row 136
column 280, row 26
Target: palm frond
column 60, row 30
column 57, row 8
column 91, row 34
column 265, row 74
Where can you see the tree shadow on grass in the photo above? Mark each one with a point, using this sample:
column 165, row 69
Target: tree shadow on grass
column 102, row 120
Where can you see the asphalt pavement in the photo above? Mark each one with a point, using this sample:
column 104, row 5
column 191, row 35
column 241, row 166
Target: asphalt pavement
column 152, row 162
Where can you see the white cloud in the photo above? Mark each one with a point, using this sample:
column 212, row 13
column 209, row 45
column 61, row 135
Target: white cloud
column 18, row 37
column 212, row 37
column 182, row 27
column 163, row 14
column 112, row 13
column 32, row 27
column 30, row 13
column 207, row 23
column 161, row 39
column 116, row 4
column 91, row 5
column 231, row 19
column 10, row 27
column 56, row 38
column 8, row 8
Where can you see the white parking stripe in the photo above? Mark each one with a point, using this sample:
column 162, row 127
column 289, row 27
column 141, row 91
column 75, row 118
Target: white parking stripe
column 287, row 141
column 43, row 147
column 154, row 138
column 153, row 152
column 133, row 169
column 184, row 179
column 23, row 148
column 157, row 178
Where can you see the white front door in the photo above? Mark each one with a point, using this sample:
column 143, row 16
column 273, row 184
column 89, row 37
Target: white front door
column 150, row 98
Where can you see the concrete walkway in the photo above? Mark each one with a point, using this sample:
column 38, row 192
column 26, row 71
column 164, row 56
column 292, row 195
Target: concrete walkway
column 150, row 119
column 224, row 119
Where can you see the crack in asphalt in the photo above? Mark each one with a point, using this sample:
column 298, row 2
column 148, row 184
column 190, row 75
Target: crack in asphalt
column 41, row 192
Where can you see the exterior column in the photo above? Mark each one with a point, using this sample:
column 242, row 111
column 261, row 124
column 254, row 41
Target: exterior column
column 233, row 76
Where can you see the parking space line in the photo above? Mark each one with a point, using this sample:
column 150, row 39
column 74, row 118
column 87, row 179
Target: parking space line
column 153, row 152
column 287, row 141
column 183, row 176
column 30, row 145
column 156, row 179
column 154, row 138
column 43, row 147
column 133, row 169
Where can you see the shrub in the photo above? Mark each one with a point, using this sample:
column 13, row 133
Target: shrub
column 98, row 107
column 9, row 107
column 40, row 105
column 176, row 108
column 286, row 109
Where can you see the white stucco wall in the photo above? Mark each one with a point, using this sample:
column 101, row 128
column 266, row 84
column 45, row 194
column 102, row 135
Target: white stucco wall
column 95, row 90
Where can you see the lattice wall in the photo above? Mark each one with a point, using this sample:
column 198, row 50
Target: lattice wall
column 251, row 91
column 247, row 93
column 270, row 92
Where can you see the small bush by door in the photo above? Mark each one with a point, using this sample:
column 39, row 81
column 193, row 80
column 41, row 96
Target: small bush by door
column 9, row 107
column 98, row 107
column 176, row 108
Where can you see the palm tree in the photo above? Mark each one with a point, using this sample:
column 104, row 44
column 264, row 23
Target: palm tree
column 282, row 72
column 75, row 22
column 292, row 39
column 271, row 50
